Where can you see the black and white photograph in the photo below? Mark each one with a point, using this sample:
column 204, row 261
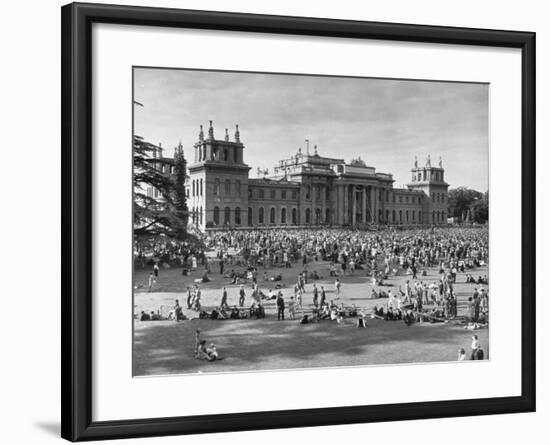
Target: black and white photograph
column 290, row 221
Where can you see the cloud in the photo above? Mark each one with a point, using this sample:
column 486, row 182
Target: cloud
column 386, row 122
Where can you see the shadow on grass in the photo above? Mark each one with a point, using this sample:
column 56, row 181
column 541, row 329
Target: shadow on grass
column 167, row 347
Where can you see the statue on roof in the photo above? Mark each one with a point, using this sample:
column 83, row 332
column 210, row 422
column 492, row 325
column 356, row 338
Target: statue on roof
column 415, row 162
column 428, row 162
column 210, row 131
column 440, row 162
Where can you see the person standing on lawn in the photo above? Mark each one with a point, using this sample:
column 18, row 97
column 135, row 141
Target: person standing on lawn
column 280, row 307
column 315, row 295
column 241, row 296
column 223, row 304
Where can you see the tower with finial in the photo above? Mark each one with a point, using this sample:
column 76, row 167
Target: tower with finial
column 431, row 181
column 218, row 180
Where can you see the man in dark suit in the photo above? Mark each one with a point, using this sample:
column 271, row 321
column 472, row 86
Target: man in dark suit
column 280, row 307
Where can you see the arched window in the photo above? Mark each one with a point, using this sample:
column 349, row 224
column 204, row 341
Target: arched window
column 327, row 216
column 393, row 215
column 193, row 187
column 317, row 215
column 283, row 215
column 272, row 215
column 200, row 191
column 387, row 216
column 308, row 216
column 238, row 188
column 200, row 215
column 237, row 215
column 407, row 216
column 420, row 216
column 261, row 215
column 414, row 216
column 294, row 216
column 400, row 217
column 433, row 216
column 227, row 216
column 250, row 216
column 216, row 215
column 227, row 187
column 225, row 156
column 216, row 186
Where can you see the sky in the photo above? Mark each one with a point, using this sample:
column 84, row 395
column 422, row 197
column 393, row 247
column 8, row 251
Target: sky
column 386, row 122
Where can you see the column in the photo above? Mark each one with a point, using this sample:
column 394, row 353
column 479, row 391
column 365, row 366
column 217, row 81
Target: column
column 340, row 199
column 364, row 204
column 313, row 203
column 324, row 202
column 372, row 204
column 353, row 205
column 346, row 204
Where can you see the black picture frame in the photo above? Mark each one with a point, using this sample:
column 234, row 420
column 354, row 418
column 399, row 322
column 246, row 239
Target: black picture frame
column 76, row 247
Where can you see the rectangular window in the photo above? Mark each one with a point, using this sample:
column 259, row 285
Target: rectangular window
column 272, row 194
column 294, row 194
column 261, row 194
column 283, row 194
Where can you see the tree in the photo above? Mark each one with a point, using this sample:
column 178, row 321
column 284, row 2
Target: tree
column 179, row 197
column 164, row 213
column 468, row 204
column 480, row 209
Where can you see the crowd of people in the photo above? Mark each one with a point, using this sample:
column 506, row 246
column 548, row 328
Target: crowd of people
column 251, row 260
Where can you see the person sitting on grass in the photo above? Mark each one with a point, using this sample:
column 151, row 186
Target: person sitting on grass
column 325, row 312
column 314, row 275
column 202, row 352
column 378, row 312
column 409, row 317
column 145, row 316
column 236, row 314
column 461, row 355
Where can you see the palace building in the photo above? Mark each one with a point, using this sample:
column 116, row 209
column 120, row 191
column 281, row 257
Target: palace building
column 305, row 190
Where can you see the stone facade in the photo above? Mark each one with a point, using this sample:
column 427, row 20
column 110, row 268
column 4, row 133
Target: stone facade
column 305, row 190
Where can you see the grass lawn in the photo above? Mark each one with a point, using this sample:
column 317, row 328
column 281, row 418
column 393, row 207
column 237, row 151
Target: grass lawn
column 166, row 347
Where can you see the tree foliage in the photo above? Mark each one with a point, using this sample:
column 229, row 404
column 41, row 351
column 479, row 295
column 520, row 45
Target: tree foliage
column 165, row 214
column 469, row 205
